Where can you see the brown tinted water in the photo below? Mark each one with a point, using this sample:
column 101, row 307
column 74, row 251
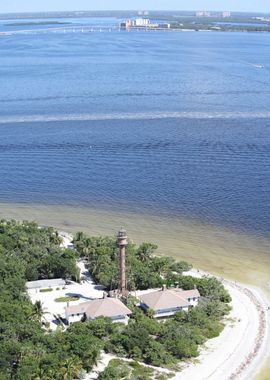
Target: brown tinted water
column 220, row 251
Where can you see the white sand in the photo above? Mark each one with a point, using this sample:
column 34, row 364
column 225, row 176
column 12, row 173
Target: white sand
column 242, row 347
column 66, row 239
column 100, row 367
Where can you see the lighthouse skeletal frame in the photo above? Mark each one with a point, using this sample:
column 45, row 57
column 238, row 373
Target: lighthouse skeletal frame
column 122, row 243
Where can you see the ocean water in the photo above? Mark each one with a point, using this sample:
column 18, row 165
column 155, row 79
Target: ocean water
column 171, row 123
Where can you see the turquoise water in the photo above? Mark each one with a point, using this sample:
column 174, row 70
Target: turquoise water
column 171, row 122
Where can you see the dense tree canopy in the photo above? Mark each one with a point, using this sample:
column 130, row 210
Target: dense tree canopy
column 28, row 252
column 144, row 270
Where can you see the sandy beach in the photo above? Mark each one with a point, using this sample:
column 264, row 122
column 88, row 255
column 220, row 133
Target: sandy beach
column 242, row 347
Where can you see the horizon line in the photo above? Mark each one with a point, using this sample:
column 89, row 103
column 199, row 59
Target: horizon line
column 131, row 10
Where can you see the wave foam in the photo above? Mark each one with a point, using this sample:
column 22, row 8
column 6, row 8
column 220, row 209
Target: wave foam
column 134, row 116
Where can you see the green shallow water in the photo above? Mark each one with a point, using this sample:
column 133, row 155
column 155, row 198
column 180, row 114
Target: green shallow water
column 223, row 252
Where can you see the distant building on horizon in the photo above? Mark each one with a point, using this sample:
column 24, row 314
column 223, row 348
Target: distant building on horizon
column 203, row 14
column 226, row 14
column 143, row 13
column 143, row 22
column 223, row 14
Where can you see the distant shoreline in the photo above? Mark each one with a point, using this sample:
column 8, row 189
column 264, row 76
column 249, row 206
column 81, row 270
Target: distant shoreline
column 242, row 22
column 33, row 23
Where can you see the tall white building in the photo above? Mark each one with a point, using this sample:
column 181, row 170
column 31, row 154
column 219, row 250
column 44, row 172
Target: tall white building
column 226, row 14
column 141, row 22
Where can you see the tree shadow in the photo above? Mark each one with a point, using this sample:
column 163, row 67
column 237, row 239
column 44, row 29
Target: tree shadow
column 79, row 295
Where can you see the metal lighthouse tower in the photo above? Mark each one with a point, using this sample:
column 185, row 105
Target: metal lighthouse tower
column 122, row 243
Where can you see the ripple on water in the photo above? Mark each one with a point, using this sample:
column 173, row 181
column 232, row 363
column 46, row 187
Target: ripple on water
column 213, row 170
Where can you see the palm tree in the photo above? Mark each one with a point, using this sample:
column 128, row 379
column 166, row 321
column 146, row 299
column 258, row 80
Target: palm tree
column 71, row 368
column 79, row 236
column 55, row 238
column 38, row 311
column 45, row 375
column 79, row 240
column 145, row 250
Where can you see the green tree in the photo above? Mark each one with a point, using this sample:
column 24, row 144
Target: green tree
column 71, row 368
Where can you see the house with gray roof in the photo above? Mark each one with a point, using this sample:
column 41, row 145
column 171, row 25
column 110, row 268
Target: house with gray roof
column 39, row 284
column 166, row 302
column 104, row 307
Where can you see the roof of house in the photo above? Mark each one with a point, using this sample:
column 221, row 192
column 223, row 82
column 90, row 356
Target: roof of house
column 45, row 283
column 103, row 307
column 163, row 299
column 193, row 293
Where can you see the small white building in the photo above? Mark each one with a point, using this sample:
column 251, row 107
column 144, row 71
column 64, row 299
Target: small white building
column 45, row 284
column 226, row 14
column 104, row 307
column 167, row 302
column 141, row 22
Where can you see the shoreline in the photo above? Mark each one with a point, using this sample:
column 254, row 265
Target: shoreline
column 240, row 351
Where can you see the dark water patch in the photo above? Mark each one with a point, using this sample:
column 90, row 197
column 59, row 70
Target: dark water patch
column 216, row 171
column 132, row 94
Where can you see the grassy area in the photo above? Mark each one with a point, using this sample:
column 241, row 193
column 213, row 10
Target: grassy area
column 67, row 299
column 46, row 290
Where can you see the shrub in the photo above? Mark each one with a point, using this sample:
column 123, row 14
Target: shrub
column 46, row 290
column 67, row 299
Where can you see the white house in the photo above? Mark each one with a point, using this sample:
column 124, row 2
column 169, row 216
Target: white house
column 103, row 307
column 166, row 302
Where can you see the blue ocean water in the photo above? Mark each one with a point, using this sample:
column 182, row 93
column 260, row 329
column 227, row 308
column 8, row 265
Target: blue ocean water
column 171, row 122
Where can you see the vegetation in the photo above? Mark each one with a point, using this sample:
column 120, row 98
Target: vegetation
column 120, row 369
column 29, row 352
column 144, row 270
column 214, row 25
column 36, row 251
column 67, row 299
column 164, row 344
column 28, row 252
column 34, row 23
column 45, row 290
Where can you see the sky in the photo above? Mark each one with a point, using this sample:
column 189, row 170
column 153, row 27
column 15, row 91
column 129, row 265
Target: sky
column 69, row 5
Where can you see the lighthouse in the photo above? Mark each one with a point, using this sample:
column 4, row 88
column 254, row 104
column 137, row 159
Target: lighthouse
column 122, row 243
